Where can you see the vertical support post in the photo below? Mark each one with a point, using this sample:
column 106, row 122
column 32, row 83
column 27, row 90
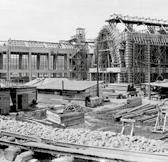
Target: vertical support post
column 30, row 65
column 38, row 64
column 54, row 64
column 20, row 63
column 49, row 64
column 8, row 61
column 38, row 61
column 149, row 70
column 67, row 64
column 133, row 64
column 97, row 53
column 128, row 58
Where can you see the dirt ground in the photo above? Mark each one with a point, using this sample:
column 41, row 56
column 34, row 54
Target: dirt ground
column 94, row 123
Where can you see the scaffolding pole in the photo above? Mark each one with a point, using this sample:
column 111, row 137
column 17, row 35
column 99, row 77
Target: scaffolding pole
column 149, row 68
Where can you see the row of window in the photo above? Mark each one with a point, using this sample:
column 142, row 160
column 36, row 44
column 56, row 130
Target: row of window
column 17, row 62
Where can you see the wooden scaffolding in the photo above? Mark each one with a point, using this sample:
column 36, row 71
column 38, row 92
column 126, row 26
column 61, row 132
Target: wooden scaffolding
column 139, row 55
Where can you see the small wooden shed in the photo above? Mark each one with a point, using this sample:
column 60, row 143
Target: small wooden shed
column 22, row 97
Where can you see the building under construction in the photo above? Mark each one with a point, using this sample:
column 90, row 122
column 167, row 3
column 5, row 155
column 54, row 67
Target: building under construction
column 132, row 50
column 25, row 60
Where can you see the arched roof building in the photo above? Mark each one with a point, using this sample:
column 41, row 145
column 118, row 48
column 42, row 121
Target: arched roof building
column 132, row 50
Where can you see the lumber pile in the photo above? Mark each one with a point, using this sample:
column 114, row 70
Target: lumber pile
column 145, row 113
column 104, row 139
column 116, row 111
column 133, row 109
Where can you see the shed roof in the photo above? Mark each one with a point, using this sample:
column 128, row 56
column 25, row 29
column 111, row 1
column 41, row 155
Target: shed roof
column 61, row 83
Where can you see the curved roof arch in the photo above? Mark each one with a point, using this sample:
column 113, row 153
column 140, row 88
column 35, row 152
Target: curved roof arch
column 109, row 39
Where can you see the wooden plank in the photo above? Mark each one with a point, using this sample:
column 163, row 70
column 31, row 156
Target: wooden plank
column 99, row 153
column 89, row 152
column 19, row 136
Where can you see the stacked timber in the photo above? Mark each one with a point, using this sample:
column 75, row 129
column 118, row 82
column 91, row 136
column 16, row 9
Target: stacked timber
column 115, row 111
column 145, row 113
column 133, row 109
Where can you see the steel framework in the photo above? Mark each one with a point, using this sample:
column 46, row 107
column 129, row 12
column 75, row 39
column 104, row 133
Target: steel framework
column 139, row 55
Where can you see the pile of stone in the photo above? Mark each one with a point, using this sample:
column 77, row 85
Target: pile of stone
column 84, row 137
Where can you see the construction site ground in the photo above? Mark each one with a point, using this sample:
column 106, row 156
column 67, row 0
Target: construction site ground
column 104, row 124
column 93, row 121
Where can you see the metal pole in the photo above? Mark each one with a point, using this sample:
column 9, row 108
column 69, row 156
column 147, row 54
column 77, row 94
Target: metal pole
column 97, row 53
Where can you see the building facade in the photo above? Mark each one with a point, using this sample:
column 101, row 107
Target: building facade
column 26, row 60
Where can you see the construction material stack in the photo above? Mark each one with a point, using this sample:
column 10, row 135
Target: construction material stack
column 72, row 114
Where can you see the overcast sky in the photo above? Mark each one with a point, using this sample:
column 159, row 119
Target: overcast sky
column 54, row 20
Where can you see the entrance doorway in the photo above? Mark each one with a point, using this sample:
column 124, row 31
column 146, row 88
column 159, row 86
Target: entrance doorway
column 19, row 102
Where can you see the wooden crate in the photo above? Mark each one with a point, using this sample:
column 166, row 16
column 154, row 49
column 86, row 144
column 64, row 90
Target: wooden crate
column 68, row 119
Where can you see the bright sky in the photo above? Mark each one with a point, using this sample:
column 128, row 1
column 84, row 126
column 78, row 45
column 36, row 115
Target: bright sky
column 54, row 20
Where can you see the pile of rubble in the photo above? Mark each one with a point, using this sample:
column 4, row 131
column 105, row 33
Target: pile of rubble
column 84, row 137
